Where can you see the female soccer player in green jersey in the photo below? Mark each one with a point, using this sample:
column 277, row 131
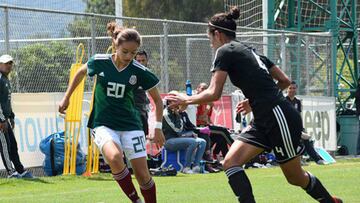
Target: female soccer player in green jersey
column 116, row 123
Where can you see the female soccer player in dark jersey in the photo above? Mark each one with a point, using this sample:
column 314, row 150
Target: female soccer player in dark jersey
column 116, row 123
column 277, row 125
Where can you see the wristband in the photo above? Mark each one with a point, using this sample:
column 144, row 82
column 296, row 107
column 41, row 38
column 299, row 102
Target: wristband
column 158, row 125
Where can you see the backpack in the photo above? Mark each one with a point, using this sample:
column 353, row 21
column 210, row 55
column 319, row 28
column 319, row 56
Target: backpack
column 153, row 161
column 53, row 148
column 342, row 150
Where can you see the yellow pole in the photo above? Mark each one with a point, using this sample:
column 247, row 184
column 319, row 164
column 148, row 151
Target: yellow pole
column 73, row 117
column 91, row 146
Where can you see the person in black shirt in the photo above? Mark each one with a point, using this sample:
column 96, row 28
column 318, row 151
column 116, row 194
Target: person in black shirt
column 141, row 100
column 309, row 148
column 181, row 134
column 357, row 105
column 277, row 125
column 8, row 144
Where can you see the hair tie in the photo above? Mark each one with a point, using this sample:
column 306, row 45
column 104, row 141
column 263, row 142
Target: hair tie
column 222, row 28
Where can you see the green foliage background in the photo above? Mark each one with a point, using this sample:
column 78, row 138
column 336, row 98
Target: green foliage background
column 48, row 63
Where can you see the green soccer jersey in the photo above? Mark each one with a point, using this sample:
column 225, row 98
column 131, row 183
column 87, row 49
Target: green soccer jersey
column 114, row 93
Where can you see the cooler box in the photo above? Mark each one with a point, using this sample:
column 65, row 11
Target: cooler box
column 174, row 158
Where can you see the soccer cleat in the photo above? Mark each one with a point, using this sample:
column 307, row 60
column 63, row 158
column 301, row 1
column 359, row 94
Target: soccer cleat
column 211, row 169
column 196, row 169
column 337, row 200
column 187, row 170
column 26, row 174
column 14, row 175
column 138, row 201
column 321, row 162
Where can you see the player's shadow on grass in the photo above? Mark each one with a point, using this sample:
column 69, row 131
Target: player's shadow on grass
column 100, row 178
column 38, row 180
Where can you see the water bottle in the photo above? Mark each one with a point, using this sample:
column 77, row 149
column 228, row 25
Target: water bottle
column 244, row 123
column 188, row 88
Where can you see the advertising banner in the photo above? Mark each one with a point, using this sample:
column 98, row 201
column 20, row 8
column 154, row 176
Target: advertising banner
column 319, row 120
column 36, row 117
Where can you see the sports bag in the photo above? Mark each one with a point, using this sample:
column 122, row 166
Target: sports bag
column 53, row 148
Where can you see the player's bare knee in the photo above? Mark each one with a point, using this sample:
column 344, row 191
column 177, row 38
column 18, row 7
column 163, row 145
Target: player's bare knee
column 228, row 163
column 114, row 158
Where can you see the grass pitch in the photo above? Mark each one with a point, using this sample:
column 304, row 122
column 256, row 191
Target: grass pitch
column 269, row 185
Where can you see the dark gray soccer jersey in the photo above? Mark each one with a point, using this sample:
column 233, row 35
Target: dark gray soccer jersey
column 5, row 99
column 114, row 93
column 296, row 103
column 141, row 100
column 249, row 72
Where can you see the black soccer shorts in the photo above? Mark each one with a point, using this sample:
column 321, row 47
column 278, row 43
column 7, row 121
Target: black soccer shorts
column 280, row 131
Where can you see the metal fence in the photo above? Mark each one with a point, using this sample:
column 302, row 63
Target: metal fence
column 43, row 43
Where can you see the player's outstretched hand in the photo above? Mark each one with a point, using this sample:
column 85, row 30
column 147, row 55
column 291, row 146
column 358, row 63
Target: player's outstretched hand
column 63, row 105
column 176, row 100
column 243, row 107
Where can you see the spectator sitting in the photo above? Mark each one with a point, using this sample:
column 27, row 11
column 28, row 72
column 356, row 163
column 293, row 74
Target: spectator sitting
column 179, row 135
column 218, row 135
column 204, row 134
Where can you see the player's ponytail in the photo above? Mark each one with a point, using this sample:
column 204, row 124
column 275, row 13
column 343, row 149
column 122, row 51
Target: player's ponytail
column 234, row 13
column 113, row 30
column 120, row 34
column 225, row 22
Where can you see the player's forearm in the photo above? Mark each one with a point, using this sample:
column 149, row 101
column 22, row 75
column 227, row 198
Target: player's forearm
column 203, row 97
column 158, row 110
column 79, row 76
column 213, row 92
column 283, row 84
column 280, row 76
column 159, row 106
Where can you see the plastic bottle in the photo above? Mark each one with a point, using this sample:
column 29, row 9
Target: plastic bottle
column 188, row 88
column 244, row 123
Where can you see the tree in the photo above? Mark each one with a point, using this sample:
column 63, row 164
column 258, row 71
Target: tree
column 100, row 6
column 176, row 75
column 185, row 10
column 48, row 63
column 190, row 10
column 81, row 26
column 196, row 11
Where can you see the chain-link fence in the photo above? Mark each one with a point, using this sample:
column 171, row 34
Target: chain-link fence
column 43, row 43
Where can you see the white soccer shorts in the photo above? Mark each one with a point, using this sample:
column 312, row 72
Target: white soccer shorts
column 131, row 142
